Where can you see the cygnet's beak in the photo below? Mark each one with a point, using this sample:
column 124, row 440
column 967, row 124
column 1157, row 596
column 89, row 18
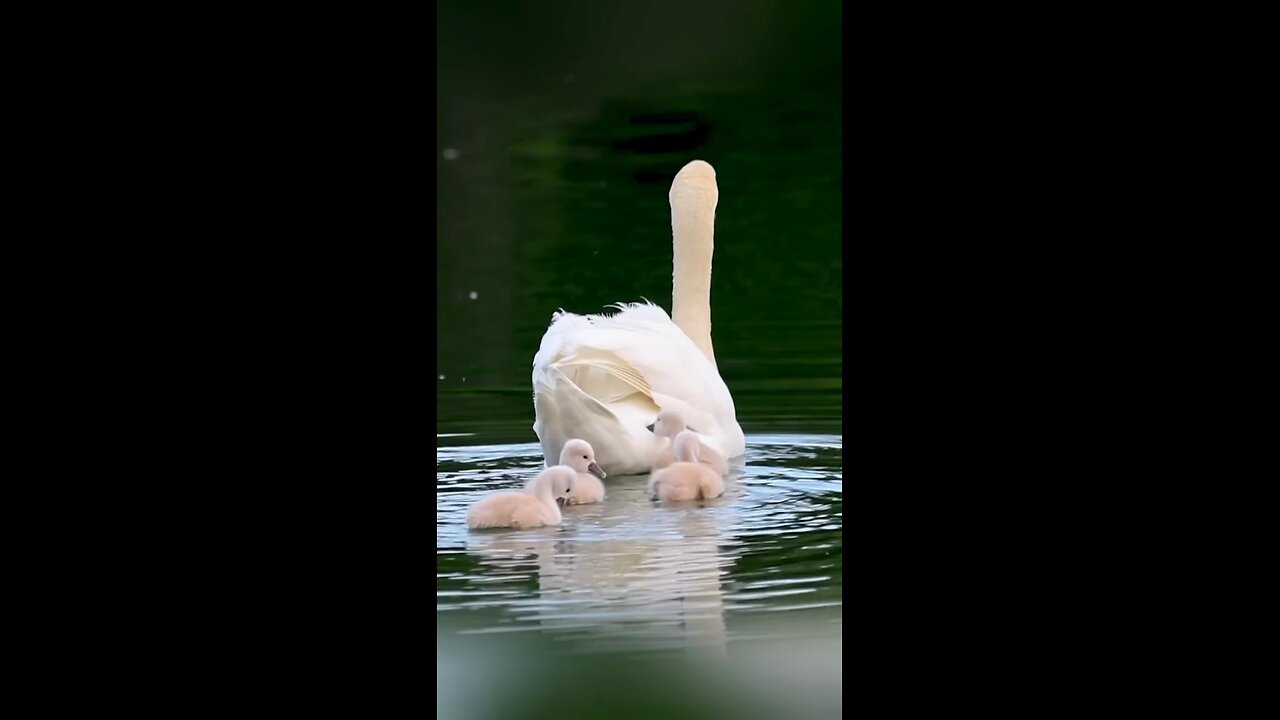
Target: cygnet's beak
column 560, row 501
column 649, row 427
column 596, row 470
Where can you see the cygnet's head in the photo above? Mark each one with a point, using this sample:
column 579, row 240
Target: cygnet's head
column 685, row 447
column 578, row 455
column 669, row 424
column 560, row 481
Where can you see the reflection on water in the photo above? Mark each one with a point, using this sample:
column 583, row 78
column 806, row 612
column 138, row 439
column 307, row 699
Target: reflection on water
column 621, row 579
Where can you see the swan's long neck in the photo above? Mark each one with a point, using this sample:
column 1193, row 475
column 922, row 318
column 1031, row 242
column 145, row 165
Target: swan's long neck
column 693, row 219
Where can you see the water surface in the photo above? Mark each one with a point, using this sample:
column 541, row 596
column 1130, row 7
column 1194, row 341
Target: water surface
column 747, row 580
column 636, row 570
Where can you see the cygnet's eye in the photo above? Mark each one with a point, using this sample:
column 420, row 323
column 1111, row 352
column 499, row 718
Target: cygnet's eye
column 584, row 457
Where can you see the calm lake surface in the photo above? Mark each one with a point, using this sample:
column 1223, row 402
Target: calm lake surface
column 553, row 165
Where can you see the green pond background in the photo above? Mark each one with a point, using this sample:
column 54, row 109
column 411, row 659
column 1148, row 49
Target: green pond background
column 559, row 128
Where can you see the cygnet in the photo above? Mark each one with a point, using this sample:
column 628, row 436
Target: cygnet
column 587, row 488
column 686, row 479
column 669, row 424
column 534, row 506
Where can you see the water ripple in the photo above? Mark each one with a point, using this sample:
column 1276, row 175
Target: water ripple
column 638, row 573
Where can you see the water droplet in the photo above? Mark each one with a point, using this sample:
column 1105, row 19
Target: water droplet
column 474, row 295
column 451, row 154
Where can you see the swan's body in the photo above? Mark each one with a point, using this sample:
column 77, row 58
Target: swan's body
column 669, row 424
column 686, row 479
column 603, row 378
column 587, row 488
column 534, row 506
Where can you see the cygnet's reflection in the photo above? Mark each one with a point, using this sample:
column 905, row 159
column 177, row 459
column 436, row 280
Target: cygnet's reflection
column 627, row 573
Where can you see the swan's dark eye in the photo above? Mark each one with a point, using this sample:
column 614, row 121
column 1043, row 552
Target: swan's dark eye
column 584, row 457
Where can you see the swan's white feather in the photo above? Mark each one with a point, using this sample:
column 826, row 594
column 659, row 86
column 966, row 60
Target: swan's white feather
column 604, row 378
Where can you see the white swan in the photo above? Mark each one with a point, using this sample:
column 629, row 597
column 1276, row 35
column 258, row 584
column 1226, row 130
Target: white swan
column 603, row 378
column 534, row 506
column 686, row 479
column 587, row 488
column 670, row 424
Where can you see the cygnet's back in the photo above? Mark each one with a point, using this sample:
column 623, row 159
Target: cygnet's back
column 686, row 479
column 534, row 506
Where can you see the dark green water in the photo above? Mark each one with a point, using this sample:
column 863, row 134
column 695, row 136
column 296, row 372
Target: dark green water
column 559, row 132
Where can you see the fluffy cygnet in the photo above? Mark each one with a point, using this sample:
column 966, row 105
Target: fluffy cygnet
column 669, row 424
column 534, row 506
column 686, row 479
column 587, row 488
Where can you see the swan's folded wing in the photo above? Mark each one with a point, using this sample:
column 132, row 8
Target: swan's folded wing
column 643, row 338
column 611, row 357
column 631, row 365
column 603, row 374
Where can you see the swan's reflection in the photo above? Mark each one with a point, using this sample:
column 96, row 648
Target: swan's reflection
column 627, row 573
